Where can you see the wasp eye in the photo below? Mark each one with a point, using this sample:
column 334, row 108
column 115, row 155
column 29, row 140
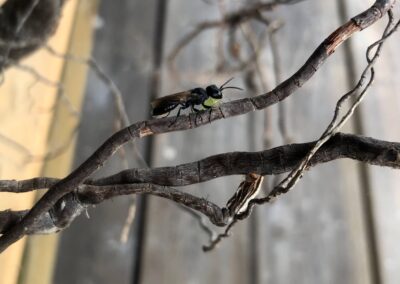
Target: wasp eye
column 214, row 92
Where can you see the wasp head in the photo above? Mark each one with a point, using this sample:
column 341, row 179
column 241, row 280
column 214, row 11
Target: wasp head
column 214, row 92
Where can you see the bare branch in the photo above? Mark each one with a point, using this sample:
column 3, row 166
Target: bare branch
column 238, row 107
column 338, row 121
column 268, row 162
column 19, row 186
column 123, row 120
column 144, row 181
column 73, row 204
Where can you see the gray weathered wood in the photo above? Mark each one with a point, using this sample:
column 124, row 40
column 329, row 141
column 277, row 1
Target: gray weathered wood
column 315, row 233
column 380, row 115
column 90, row 250
column 173, row 239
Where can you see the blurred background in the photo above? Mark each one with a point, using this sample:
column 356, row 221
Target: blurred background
column 341, row 224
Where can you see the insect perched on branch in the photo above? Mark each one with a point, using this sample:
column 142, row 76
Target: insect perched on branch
column 205, row 98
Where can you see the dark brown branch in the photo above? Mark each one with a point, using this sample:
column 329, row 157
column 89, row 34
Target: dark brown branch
column 156, row 126
column 66, row 186
column 273, row 161
column 97, row 194
column 18, row 186
column 338, row 120
column 73, row 204
column 269, row 162
column 289, row 182
column 9, row 218
column 283, row 90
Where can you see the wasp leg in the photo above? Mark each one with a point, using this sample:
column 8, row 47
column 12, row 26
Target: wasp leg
column 210, row 108
column 176, row 117
column 197, row 113
column 220, row 110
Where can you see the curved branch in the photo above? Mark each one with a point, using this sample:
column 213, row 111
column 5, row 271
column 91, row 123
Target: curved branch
column 144, row 181
column 269, row 162
column 73, row 204
column 146, row 128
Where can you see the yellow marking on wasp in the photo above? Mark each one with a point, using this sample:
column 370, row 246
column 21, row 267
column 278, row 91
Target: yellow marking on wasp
column 210, row 102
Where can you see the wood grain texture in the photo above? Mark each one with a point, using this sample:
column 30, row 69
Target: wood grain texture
column 173, row 238
column 315, row 233
column 90, row 250
column 379, row 117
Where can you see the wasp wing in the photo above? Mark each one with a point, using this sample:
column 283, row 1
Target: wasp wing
column 165, row 104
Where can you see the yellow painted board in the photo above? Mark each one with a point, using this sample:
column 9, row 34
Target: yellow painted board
column 26, row 111
column 41, row 250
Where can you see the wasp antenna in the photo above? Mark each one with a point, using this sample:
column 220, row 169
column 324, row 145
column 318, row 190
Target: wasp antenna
column 225, row 83
column 231, row 87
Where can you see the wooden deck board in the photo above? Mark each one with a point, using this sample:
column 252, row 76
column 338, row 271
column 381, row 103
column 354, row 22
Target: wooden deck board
column 173, row 239
column 90, row 250
column 380, row 115
column 314, row 234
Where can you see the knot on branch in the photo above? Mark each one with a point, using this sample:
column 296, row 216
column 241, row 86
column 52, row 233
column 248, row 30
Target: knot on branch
column 370, row 16
column 219, row 217
column 66, row 210
column 392, row 155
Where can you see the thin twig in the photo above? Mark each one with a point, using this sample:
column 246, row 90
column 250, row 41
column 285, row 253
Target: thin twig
column 45, row 81
column 123, row 119
column 337, row 122
column 231, row 19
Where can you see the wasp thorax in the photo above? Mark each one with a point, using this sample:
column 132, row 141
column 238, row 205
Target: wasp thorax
column 214, row 92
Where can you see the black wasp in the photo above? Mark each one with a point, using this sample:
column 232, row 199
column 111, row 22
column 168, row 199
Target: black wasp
column 207, row 98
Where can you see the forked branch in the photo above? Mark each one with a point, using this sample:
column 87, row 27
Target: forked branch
column 156, row 181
